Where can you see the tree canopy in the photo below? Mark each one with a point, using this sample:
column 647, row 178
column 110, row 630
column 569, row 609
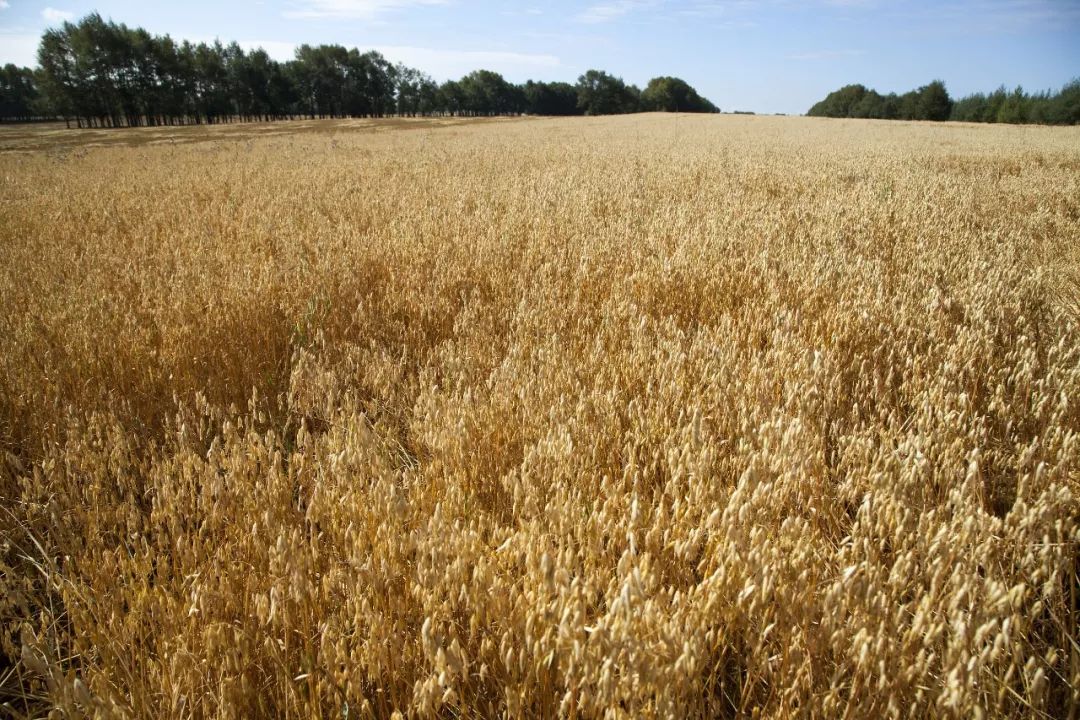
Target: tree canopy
column 98, row 73
column 555, row 98
column 19, row 95
column 1017, row 106
column 932, row 102
column 672, row 94
column 603, row 94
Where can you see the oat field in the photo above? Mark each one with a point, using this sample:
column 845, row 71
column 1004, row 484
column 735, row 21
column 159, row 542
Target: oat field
column 648, row 416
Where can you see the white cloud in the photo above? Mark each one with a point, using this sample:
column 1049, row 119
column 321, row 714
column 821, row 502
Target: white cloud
column 992, row 17
column 447, row 64
column 53, row 16
column 19, row 49
column 4, row 4
column 353, row 9
column 608, row 11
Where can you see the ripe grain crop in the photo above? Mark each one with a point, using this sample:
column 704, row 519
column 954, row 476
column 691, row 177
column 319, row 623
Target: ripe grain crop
column 651, row 416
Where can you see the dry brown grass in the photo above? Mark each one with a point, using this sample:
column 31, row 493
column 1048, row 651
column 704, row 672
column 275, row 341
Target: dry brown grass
column 651, row 416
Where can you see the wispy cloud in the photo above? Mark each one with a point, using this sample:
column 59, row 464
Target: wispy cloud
column 518, row 12
column 988, row 17
column 723, row 13
column 824, row 55
column 612, row 10
column 52, row 15
column 1014, row 14
column 353, row 9
column 4, row 4
column 705, row 9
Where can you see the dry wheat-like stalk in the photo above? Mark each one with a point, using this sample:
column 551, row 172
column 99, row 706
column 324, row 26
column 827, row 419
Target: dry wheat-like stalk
column 653, row 416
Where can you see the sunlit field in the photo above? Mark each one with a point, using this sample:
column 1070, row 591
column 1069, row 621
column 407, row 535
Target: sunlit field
column 643, row 416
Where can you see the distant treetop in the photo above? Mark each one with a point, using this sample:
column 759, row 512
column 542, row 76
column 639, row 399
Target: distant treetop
column 97, row 73
column 932, row 102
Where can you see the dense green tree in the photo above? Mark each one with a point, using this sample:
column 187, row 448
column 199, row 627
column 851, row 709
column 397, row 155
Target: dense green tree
column 104, row 74
column 603, row 94
column 98, row 73
column 320, row 75
column 839, row 103
column 932, row 102
column 908, row 106
column 415, row 92
column 174, row 80
column 994, row 103
column 19, row 96
column 212, row 100
column 259, row 80
column 451, row 98
column 556, row 98
column 671, row 94
column 889, row 108
column 485, row 92
column 96, row 78
column 334, row 82
column 871, row 105
column 61, row 81
column 1015, row 108
column 1065, row 106
column 373, row 82
column 970, row 109
column 1038, row 108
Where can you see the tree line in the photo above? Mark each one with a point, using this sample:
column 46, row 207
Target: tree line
column 97, row 73
column 932, row 102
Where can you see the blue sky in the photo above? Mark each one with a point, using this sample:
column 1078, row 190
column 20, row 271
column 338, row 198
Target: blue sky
column 760, row 55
